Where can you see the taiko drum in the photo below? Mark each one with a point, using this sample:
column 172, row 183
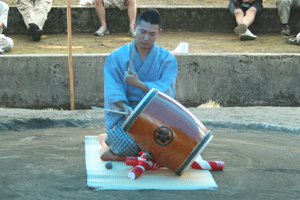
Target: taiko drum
column 165, row 128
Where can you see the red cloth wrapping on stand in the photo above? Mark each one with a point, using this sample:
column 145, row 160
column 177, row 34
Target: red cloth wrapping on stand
column 141, row 164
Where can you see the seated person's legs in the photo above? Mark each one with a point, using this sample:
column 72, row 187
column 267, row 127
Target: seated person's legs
column 100, row 10
column 131, row 15
column 284, row 7
column 248, row 20
column 101, row 5
column 106, row 154
column 117, row 144
column 34, row 15
column 6, row 43
column 239, row 16
column 38, row 18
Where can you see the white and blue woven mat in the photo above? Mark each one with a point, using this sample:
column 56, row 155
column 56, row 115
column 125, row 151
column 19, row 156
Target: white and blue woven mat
column 100, row 178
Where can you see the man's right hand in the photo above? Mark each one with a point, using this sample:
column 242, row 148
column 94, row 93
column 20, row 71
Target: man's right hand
column 125, row 107
column 128, row 109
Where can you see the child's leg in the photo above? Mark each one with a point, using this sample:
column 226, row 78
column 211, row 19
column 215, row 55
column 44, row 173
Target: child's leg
column 248, row 19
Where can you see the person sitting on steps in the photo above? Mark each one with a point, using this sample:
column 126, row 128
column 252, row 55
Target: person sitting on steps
column 244, row 12
column 101, row 5
column 284, row 8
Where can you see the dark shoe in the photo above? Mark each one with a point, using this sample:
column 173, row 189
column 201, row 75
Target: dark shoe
column 286, row 30
column 37, row 36
column 32, row 29
column 292, row 40
column 35, row 32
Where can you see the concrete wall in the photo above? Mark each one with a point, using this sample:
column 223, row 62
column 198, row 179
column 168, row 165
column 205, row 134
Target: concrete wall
column 175, row 18
column 41, row 81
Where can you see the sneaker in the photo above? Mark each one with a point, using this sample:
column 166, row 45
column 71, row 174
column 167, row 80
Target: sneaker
column 35, row 32
column 32, row 29
column 286, row 30
column 1, row 52
column 131, row 33
column 37, row 36
column 292, row 40
column 241, row 29
column 101, row 31
column 247, row 36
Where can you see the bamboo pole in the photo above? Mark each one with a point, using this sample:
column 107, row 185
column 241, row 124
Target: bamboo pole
column 71, row 79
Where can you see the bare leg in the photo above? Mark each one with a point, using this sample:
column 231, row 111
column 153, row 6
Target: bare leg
column 131, row 12
column 106, row 154
column 239, row 15
column 244, row 20
column 100, row 10
column 250, row 16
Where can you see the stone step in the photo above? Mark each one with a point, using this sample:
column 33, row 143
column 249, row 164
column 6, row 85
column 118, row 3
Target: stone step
column 199, row 42
column 175, row 18
column 232, row 79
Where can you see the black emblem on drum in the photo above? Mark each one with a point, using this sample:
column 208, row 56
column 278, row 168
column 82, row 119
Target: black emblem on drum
column 163, row 135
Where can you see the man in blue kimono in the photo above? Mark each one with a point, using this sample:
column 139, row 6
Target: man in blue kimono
column 152, row 67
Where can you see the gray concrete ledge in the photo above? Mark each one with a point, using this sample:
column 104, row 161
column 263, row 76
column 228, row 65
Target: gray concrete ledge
column 42, row 81
column 256, row 118
column 175, row 18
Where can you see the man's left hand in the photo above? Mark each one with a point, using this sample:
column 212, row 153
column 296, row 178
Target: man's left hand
column 131, row 79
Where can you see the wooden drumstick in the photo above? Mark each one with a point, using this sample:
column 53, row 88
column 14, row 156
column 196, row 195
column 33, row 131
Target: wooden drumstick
column 131, row 60
column 115, row 111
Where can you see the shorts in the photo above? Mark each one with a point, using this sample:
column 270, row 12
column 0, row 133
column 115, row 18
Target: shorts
column 115, row 3
column 119, row 142
column 236, row 4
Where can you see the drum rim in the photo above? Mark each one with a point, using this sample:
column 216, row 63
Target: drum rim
column 139, row 109
column 197, row 150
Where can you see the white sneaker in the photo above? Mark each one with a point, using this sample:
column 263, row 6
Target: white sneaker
column 101, row 31
column 131, row 33
column 241, row 29
column 1, row 52
column 247, row 36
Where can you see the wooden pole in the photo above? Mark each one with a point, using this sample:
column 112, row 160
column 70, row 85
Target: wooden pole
column 69, row 22
column 130, row 66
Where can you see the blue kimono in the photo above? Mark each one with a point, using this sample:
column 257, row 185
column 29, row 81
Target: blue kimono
column 158, row 71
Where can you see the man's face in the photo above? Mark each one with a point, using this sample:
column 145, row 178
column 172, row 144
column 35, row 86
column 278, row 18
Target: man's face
column 146, row 35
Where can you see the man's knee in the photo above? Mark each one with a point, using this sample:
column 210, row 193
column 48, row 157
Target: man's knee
column 251, row 10
column 4, row 6
column 99, row 2
column 238, row 12
column 7, row 43
column 283, row 3
column 129, row 2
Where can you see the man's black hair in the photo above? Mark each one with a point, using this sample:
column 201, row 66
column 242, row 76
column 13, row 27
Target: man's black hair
column 151, row 16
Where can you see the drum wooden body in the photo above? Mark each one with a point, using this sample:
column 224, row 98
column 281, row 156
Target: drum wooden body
column 165, row 128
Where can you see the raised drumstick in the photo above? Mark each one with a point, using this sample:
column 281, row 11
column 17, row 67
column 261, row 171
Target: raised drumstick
column 130, row 66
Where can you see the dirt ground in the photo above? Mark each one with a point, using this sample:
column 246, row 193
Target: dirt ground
column 199, row 42
column 50, row 164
